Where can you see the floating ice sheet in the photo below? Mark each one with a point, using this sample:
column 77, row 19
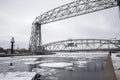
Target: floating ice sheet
column 56, row 65
column 81, row 63
column 45, row 71
column 37, row 62
column 28, row 59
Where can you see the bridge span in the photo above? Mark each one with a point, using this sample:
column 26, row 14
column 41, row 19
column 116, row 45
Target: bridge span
column 77, row 45
column 72, row 9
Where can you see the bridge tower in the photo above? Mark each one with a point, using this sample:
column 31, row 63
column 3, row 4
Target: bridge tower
column 35, row 41
column 118, row 3
column 38, row 33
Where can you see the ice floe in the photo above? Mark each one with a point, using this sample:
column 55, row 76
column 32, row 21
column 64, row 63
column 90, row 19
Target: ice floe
column 32, row 62
column 69, row 68
column 37, row 62
column 56, row 65
column 81, row 63
column 28, row 59
column 45, row 71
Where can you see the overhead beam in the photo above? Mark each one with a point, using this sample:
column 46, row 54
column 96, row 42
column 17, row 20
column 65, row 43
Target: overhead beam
column 75, row 8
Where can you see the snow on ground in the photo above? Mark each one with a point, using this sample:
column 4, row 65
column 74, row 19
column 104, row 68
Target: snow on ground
column 17, row 75
column 56, row 65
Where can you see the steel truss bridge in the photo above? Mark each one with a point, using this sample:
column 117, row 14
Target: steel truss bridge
column 76, row 45
column 69, row 10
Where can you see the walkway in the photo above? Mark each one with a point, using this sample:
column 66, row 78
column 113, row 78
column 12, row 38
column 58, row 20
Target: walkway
column 109, row 73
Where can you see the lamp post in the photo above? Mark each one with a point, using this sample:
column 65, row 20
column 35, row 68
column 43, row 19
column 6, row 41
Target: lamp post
column 12, row 45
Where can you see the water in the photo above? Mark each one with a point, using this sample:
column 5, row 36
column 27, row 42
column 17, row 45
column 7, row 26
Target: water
column 82, row 67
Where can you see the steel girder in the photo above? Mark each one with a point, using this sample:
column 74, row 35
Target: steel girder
column 75, row 45
column 75, row 8
column 72, row 9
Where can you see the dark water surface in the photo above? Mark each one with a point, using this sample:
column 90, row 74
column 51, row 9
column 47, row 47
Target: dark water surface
column 90, row 69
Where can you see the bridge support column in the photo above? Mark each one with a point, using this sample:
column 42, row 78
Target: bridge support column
column 38, row 34
column 38, row 39
column 118, row 3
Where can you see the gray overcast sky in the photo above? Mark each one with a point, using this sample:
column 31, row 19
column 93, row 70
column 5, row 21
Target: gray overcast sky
column 16, row 17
